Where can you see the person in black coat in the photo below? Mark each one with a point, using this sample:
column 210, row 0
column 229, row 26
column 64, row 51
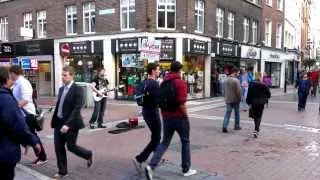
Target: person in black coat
column 258, row 95
column 13, row 129
column 67, row 122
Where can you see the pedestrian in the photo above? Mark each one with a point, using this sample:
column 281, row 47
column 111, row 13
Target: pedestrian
column 150, row 112
column 23, row 92
column 100, row 86
column 303, row 86
column 258, row 95
column 172, row 101
column 13, row 129
column 222, row 78
column 67, row 122
column 244, row 82
column 232, row 99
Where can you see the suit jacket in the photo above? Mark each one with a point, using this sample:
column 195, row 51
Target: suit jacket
column 71, row 109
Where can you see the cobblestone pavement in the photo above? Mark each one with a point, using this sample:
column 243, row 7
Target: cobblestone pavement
column 287, row 147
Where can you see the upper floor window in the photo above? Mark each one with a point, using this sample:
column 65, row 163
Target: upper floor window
column 27, row 20
column 71, row 20
column 269, row 2
column 4, row 29
column 220, row 16
column 127, row 14
column 254, row 1
column 246, row 30
column 42, row 24
column 268, row 32
column 280, row 5
column 166, row 14
column 279, row 36
column 89, row 17
column 199, row 15
column 254, row 32
column 231, row 26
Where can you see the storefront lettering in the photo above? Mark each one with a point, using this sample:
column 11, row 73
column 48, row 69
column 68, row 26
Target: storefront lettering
column 128, row 45
column 33, row 48
column 167, row 49
column 197, row 46
column 151, row 46
column 274, row 56
column 228, row 49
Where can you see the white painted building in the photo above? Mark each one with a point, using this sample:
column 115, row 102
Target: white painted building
column 293, row 23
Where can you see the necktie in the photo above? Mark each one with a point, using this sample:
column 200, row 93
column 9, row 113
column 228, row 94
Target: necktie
column 63, row 96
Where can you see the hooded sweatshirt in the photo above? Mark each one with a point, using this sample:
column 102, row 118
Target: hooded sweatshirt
column 181, row 88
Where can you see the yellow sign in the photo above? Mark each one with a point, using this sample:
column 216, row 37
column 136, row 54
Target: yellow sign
column 44, row 67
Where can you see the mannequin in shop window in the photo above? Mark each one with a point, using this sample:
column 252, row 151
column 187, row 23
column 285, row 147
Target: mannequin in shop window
column 191, row 82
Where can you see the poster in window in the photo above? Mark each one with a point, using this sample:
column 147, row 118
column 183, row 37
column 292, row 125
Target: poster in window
column 129, row 60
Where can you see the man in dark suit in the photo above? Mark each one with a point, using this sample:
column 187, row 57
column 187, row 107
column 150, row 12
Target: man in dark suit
column 67, row 122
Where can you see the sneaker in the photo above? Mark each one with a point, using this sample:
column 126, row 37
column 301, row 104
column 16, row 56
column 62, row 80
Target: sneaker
column 102, row 126
column 39, row 162
column 237, row 128
column 190, row 173
column 224, row 130
column 91, row 126
column 255, row 134
column 90, row 161
column 148, row 172
column 59, row 176
column 137, row 165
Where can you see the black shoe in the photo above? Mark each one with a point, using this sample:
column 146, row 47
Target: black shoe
column 91, row 126
column 224, row 130
column 102, row 126
column 255, row 134
column 90, row 161
column 237, row 128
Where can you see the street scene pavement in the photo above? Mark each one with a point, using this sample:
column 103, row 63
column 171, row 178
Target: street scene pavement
column 287, row 147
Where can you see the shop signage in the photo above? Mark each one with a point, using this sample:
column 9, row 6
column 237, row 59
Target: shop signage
column 227, row 49
column 6, row 49
column 25, row 63
column 129, row 45
column 274, row 56
column 250, row 52
column 83, row 47
column 107, row 11
column 150, row 49
column 65, row 49
column 26, row 32
column 168, row 49
column 33, row 48
column 15, row 61
column 34, row 64
column 195, row 46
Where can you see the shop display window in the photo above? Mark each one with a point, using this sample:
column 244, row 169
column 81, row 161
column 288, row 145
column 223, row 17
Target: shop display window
column 193, row 74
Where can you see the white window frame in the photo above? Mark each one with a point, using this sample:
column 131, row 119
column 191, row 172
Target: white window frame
column 166, row 10
column 130, row 3
column 268, row 33
column 230, row 25
column 254, row 39
column 246, row 30
column 199, row 14
column 269, row 2
column 280, row 5
column 27, row 20
column 90, row 11
column 220, row 19
column 41, row 19
column 4, row 31
column 71, row 11
column 279, row 36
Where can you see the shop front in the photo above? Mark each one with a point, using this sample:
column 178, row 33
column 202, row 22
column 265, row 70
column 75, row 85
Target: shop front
column 250, row 58
column 194, row 56
column 273, row 65
column 226, row 56
column 130, row 68
column 36, row 60
column 167, row 55
column 292, row 62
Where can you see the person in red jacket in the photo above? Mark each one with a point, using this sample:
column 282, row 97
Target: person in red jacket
column 174, row 121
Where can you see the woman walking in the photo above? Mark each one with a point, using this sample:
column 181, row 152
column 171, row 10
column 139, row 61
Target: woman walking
column 258, row 95
column 303, row 86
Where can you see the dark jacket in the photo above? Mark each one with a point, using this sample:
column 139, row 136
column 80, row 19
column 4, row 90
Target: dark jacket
column 71, row 110
column 258, row 93
column 13, row 129
column 303, row 86
column 181, row 88
column 152, row 88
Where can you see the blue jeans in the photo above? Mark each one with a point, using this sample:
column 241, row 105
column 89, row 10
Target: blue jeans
column 170, row 125
column 227, row 115
column 244, row 98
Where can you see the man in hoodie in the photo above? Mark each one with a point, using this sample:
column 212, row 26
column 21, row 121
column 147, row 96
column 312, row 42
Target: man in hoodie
column 174, row 120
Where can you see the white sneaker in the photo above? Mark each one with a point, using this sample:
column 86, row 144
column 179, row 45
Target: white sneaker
column 190, row 173
column 148, row 172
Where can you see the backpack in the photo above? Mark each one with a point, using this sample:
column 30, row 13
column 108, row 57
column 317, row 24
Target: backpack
column 167, row 99
column 141, row 93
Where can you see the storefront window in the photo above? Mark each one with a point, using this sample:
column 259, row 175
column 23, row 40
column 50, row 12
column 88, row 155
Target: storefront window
column 193, row 74
column 131, row 71
column 273, row 69
column 86, row 66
